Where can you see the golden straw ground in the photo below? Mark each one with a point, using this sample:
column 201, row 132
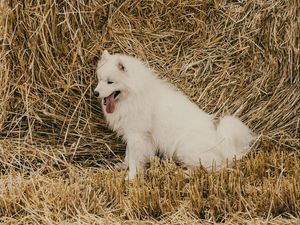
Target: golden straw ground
column 57, row 155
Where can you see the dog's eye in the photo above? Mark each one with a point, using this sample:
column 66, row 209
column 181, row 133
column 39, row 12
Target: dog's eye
column 110, row 82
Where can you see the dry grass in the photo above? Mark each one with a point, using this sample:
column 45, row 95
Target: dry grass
column 56, row 154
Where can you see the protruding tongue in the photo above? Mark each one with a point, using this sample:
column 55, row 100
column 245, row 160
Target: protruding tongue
column 110, row 103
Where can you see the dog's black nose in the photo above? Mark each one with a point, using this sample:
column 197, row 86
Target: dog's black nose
column 96, row 93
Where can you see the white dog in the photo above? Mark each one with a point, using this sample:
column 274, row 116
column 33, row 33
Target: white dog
column 152, row 115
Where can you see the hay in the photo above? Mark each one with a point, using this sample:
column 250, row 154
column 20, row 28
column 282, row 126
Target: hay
column 238, row 57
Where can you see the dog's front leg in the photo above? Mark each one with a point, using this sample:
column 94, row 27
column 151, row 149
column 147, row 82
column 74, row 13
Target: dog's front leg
column 140, row 148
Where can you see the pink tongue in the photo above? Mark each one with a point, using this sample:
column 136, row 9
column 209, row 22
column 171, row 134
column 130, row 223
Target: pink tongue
column 110, row 103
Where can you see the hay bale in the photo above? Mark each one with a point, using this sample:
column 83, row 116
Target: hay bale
column 238, row 57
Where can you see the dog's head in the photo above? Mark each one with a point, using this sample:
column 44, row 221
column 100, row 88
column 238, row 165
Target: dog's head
column 112, row 77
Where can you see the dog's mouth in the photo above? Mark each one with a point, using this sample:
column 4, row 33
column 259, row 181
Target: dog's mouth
column 110, row 101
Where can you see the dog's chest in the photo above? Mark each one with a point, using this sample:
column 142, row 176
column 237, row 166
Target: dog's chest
column 115, row 122
column 127, row 119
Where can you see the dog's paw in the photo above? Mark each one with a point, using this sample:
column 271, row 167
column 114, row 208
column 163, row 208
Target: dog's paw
column 130, row 176
column 127, row 178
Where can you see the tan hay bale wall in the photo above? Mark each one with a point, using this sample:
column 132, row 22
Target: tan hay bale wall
column 225, row 56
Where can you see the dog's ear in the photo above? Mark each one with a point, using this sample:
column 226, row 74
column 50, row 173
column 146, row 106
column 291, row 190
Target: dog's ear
column 121, row 66
column 105, row 55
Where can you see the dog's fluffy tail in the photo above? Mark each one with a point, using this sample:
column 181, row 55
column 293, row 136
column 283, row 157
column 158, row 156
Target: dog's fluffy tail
column 234, row 136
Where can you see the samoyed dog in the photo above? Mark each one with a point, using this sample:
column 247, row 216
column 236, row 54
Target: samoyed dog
column 150, row 115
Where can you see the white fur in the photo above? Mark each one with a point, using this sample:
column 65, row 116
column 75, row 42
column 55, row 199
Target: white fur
column 150, row 114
